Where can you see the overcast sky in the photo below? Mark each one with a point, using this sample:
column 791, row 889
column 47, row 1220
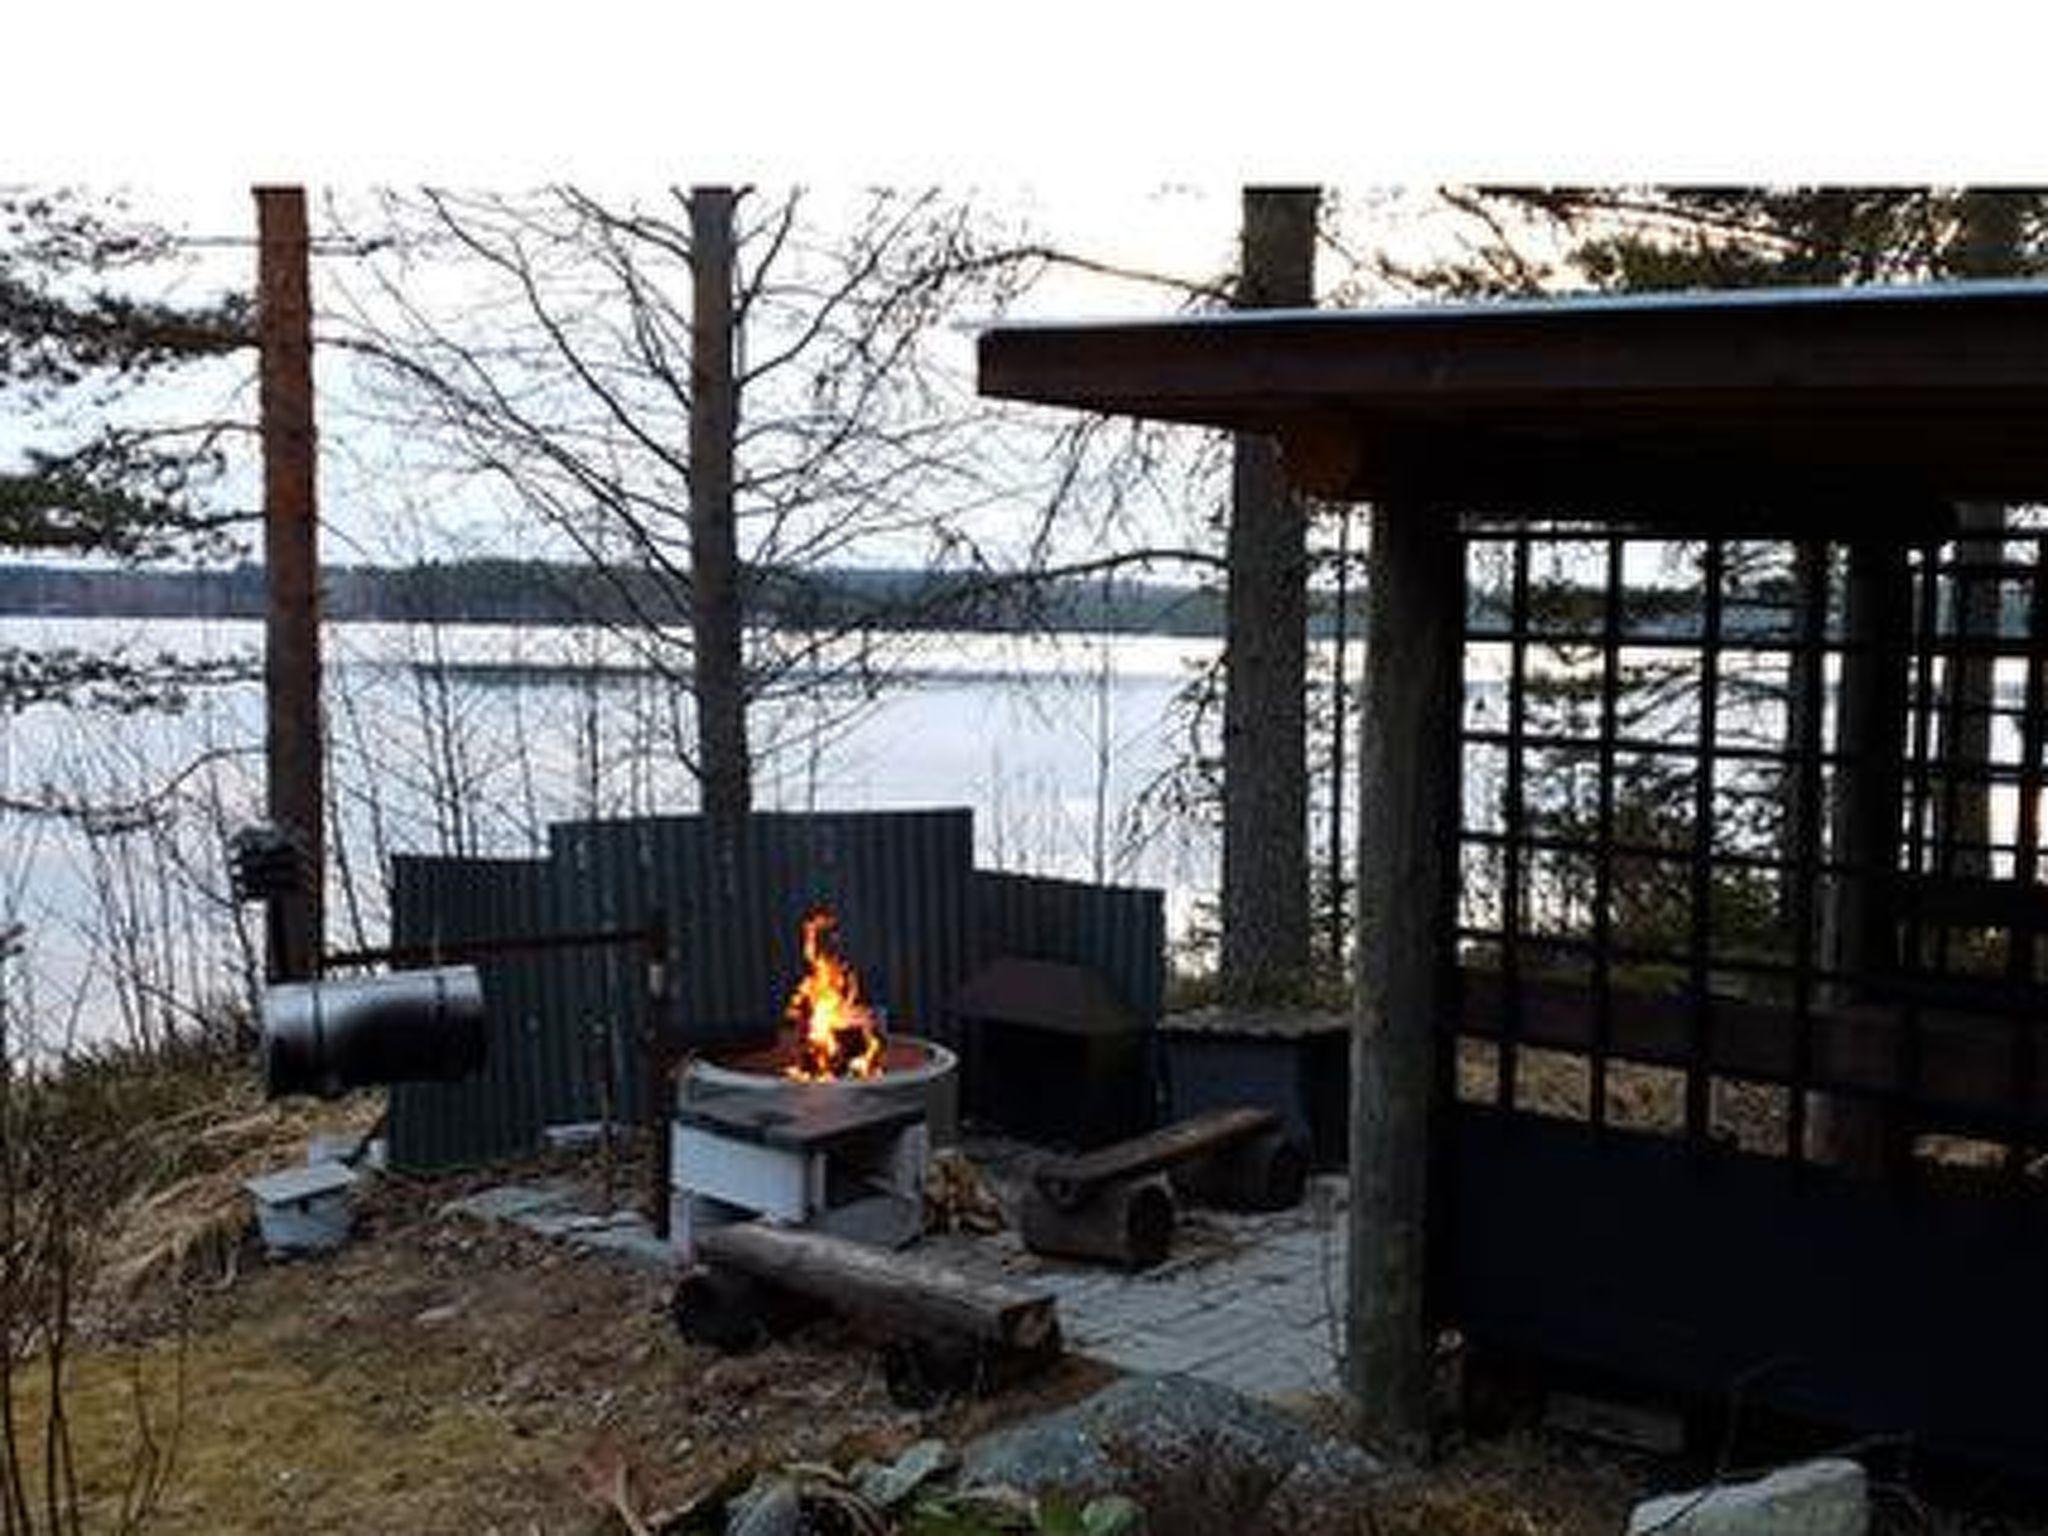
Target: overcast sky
column 377, row 504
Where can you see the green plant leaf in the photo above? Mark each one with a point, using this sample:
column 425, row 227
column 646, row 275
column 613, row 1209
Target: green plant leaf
column 1112, row 1515
column 1059, row 1515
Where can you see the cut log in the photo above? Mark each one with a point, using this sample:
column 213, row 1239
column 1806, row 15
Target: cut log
column 1265, row 1173
column 902, row 1292
column 1129, row 1223
column 1069, row 1182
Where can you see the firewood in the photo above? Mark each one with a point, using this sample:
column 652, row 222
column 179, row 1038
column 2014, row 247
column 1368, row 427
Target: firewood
column 904, row 1293
column 1070, row 1182
column 1128, row 1223
column 1265, row 1173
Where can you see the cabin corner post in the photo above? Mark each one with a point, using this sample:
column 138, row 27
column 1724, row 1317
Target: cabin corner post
column 1407, row 882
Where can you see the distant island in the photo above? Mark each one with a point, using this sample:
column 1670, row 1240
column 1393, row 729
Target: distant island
column 559, row 594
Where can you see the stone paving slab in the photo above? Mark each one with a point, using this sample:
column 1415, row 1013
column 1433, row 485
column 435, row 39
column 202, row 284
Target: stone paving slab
column 557, row 1210
column 506, row 1202
column 1243, row 1300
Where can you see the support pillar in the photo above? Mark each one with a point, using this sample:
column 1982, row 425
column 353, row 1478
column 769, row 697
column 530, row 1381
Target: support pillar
column 1861, row 919
column 1407, row 890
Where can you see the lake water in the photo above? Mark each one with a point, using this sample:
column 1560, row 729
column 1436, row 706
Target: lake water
column 475, row 739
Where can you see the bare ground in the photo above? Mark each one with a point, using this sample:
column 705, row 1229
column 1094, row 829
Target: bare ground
column 441, row 1375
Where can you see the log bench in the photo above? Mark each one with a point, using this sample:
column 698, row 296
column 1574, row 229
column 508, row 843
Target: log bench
column 941, row 1331
column 1117, row 1203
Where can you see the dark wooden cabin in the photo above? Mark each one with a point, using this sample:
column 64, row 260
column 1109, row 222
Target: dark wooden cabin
column 1702, row 987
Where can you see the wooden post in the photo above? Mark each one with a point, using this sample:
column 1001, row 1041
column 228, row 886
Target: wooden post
column 715, row 617
column 291, row 668
column 1407, row 874
column 1861, row 914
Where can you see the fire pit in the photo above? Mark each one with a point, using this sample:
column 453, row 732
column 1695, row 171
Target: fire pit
column 908, row 1067
column 829, row 1127
column 836, row 1043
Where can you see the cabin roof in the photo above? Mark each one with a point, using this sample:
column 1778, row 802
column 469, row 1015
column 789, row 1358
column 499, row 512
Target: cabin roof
column 1778, row 410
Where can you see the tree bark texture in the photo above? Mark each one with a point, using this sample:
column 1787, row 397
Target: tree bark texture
column 1407, row 886
column 715, row 610
column 908, row 1292
column 1265, row 953
column 291, row 663
column 1129, row 1224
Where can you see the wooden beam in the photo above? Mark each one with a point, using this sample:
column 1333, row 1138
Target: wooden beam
column 291, row 661
column 1701, row 355
column 1683, row 481
column 1324, row 456
column 1971, row 1041
column 1070, row 1181
column 1941, row 389
column 1408, row 773
column 1860, row 914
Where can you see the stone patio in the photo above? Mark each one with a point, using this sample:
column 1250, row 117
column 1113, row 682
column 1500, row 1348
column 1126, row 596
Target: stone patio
column 1250, row 1302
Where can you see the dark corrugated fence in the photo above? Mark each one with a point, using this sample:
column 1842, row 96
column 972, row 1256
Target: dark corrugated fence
column 915, row 916
column 897, row 879
column 546, row 1014
column 1118, row 930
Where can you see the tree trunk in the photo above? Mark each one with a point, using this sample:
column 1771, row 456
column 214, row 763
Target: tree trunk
column 1265, row 953
column 291, row 665
column 715, row 613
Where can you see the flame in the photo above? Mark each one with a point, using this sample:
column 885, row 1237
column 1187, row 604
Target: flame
column 838, row 1035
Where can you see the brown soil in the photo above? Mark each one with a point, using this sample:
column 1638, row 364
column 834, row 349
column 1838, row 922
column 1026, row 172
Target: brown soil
column 443, row 1375
column 439, row 1374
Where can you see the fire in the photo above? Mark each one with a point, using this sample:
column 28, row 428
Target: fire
column 838, row 1035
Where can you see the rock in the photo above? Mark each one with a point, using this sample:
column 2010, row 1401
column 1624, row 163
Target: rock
column 1176, row 1442
column 434, row 1316
column 1814, row 1498
column 772, row 1507
column 889, row 1486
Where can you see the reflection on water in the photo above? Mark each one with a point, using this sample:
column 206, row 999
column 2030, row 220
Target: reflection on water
column 474, row 739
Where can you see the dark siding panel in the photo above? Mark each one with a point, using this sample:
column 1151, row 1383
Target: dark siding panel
column 499, row 1112
column 897, row 879
column 1119, row 931
column 914, row 915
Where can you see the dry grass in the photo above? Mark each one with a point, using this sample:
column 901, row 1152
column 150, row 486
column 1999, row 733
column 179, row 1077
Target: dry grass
column 195, row 1126
column 195, row 1222
column 1749, row 1116
column 439, row 1375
